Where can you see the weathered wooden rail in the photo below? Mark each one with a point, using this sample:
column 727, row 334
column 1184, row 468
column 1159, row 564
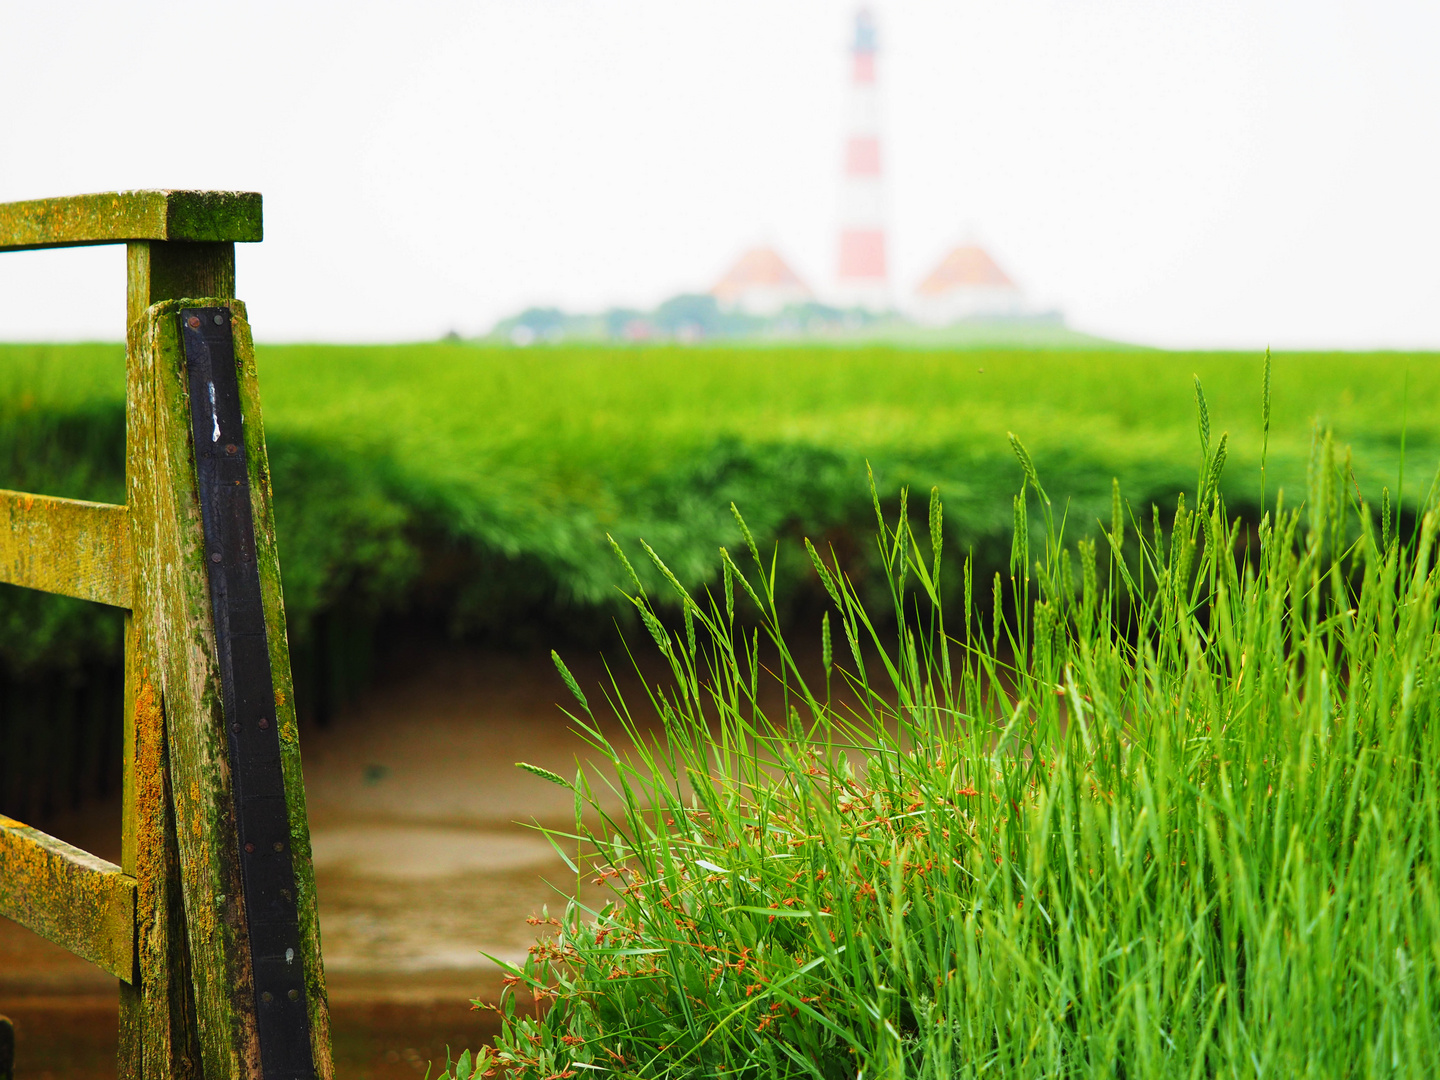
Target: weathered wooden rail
column 209, row 922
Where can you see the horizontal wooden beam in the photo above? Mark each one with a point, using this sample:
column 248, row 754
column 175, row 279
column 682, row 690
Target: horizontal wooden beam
column 66, row 546
column 68, row 896
column 117, row 217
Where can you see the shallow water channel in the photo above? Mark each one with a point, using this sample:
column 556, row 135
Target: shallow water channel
column 424, row 861
column 421, row 864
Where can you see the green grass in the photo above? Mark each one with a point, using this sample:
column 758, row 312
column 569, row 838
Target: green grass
column 1169, row 815
column 476, row 485
column 1171, row 809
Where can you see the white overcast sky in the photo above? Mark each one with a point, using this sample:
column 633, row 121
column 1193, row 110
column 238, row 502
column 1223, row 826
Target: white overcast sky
column 1180, row 173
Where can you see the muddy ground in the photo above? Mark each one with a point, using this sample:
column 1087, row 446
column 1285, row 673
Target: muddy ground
column 422, row 862
column 425, row 859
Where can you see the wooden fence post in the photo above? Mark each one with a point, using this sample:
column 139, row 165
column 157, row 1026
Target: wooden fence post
column 159, row 1038
column 210, row 922
column 173, row 582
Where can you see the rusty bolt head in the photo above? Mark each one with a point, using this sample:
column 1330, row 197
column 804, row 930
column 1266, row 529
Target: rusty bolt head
column 267, row 996
column 294, row 995
column 250, row 848
column 278, row 846
column 264, row 722
column 230, row 448
column 193, row 322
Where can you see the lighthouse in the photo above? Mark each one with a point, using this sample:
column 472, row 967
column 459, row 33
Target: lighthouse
column 862, row 279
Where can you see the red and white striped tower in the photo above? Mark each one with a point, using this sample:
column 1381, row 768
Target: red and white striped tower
column 862, row 280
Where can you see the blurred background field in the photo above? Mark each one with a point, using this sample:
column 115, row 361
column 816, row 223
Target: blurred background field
column 465, row 492
column 449, row 491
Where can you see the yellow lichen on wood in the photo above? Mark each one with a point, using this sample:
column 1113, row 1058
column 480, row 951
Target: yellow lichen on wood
column 66, row 546
column 68, row 896
column 172, row 585
column 159, row 1028
column 116, row 217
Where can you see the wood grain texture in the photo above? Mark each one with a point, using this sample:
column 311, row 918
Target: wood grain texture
column 160, row 1020
column 158, row 271
column 158, row 1033
column 116, row 217
column 158, row 1039
column 159, row 1025
column 66, row 546
column 68, row 896
column 171, row 584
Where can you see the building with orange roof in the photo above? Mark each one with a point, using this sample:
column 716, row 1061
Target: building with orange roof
column 967, row 284
column 760, row 283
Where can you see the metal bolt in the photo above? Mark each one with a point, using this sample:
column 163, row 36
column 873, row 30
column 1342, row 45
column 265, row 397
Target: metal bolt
column 278, row 846
column 294, row 995
column 267, row 996
column 250, row 848
column 219, row 320
column 215, row 557
column 230, row 448
column 264, row 722
column 193, row 322
column 235, row 728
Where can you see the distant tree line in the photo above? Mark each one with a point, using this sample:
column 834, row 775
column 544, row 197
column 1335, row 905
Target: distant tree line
column 687, row 317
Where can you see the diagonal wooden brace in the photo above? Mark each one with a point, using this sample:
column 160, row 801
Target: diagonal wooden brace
column 174, row 587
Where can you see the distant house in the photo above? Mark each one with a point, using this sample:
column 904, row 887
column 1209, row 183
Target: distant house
column 967, row 284
column 760, row 283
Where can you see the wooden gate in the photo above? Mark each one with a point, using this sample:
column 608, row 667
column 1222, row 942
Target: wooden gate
column 209, row 922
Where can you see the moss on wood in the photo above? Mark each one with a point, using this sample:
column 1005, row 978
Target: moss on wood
column 68, row 896
column 116, row 217
column 65, row 546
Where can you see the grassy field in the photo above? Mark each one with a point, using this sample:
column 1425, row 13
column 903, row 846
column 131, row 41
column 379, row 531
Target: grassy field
column 473, row 486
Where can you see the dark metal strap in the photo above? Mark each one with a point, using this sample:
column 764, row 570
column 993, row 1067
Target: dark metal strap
column 258, row 784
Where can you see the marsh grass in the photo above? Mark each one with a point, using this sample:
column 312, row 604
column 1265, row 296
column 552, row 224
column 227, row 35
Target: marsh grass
column 476, row 485
column 1168, row 809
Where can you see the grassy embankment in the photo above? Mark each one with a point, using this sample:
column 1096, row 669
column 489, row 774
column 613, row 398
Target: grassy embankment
column 1170, row 810
column 470, row 489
